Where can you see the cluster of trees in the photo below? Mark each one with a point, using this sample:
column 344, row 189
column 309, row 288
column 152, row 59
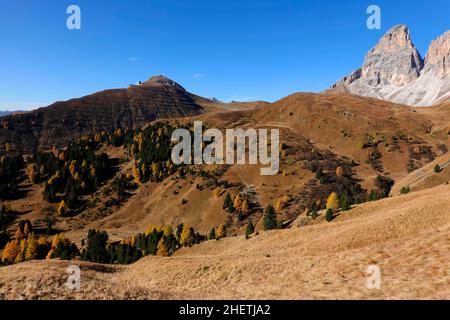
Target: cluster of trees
column 238, row 204
column 120, row 185
column 73, row 172
column 151, row 151
column 26, row 246
column 221, row 232
column 383, row 188
column 334, row 203
column 155, row 241
column 10, row 173
column 118, row 138
column 338, row 178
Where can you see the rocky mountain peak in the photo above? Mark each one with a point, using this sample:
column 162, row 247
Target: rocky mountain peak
column 394, row 60
column 394, row 70
column 437, row 60
column 396, row 37
column 161, row 81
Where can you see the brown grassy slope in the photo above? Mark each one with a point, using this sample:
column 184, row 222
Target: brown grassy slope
column 340, row 122
column 406, row 236
column 304, row 119
column 425, row 177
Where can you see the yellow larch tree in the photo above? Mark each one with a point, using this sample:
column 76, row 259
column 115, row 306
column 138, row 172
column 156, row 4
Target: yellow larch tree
column 333, row 202
column 221, row 232
column 10, row 251
column 32, row 248
column 237, row 202
column 186, row 236
column 62, row 208
column 162, row 249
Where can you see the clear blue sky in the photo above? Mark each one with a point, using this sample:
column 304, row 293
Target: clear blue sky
column 234, row 49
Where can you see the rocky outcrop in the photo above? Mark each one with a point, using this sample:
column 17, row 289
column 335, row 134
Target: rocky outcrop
column 437, row 61
column 394, row 71
column 61, row 122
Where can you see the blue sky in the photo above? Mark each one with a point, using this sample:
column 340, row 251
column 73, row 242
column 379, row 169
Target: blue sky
column 231, row 50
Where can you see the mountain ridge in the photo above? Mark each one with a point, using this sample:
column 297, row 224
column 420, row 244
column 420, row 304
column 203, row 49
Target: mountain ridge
column 132, row 107
column 395, row 71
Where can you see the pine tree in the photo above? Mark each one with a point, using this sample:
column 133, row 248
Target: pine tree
column 250, row 228
column 344, row 203
column 329, row 215
column 227, row 201
column 212, row 234
column 270, row 218
column 333, row 202
column 230, row 208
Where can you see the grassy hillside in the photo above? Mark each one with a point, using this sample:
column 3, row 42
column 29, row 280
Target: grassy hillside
column 406, row 236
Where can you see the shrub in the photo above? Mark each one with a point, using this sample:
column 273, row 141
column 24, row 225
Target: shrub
column 405, row 190
column 372, row 196
column 250, row 228
column 437, row 168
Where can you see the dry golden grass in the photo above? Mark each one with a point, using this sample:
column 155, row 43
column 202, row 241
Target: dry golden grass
column 425, row 177
column 406, row 236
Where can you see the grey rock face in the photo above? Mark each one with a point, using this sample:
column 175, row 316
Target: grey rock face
column 437, row 61
column 394, row 70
